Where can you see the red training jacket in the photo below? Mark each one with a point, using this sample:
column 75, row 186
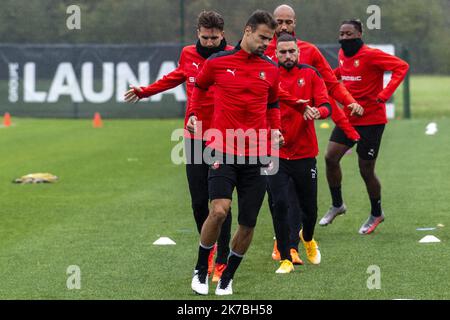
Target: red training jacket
column 303, row 82
column 245, row 97
column 311, row 55
column 363, row 76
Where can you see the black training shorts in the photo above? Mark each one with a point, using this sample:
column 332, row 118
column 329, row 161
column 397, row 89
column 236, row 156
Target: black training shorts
column 250, row 185
column 368, row 145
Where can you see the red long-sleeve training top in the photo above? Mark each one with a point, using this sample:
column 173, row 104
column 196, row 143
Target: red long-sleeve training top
column 311, row 55
column 303, row 82
column 245, row 98
column 363, row 76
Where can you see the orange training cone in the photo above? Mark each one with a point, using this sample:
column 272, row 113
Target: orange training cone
column 97, row 123
column 7, row 120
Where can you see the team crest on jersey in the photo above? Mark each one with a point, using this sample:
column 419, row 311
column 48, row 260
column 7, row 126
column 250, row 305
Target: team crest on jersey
column 301, row 82
column 262, row 75
column 356, row 63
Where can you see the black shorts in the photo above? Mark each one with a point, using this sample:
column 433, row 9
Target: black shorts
column 368, row 145
column 250, row 185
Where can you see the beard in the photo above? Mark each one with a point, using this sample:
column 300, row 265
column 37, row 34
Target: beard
column 288, row 65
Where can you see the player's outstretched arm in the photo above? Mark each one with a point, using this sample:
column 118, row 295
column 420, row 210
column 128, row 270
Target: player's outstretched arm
column 169, row 81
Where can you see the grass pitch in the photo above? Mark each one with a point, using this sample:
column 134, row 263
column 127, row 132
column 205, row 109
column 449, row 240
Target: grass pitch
column 119, row 191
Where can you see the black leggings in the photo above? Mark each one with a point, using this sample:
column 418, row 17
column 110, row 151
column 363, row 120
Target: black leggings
column 294, row 215
column 303, row 174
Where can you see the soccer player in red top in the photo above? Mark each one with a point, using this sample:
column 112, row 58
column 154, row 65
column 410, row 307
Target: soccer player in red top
column 298, row 155
column 362, row 70
column 245, row 104
column 310, row 55
column 211, row 40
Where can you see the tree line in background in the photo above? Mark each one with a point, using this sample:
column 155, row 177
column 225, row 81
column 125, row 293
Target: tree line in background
column 419, row 25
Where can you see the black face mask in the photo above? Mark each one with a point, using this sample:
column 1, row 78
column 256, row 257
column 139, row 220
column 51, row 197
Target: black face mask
column 208, row 52
column 351, row 46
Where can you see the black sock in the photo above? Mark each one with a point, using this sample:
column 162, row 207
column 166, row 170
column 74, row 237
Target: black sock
column 336, row 196
column 376, row 206
column 233, row 263
column 203, row 255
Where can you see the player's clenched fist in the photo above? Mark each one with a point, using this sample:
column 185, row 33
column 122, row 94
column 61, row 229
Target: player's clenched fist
column 311, row 113
column 356, row 109
column 277, row 139
column 192, row 124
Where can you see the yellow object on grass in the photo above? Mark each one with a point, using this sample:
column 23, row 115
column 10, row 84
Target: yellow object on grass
column 37, row 178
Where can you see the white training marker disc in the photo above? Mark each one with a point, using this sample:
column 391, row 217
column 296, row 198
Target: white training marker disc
column 429, row 239
column 164, row 241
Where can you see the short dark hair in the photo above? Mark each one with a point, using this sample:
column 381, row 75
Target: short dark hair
column 355, row 22
column 261, row 17
column 210, row 20
column 286, row 37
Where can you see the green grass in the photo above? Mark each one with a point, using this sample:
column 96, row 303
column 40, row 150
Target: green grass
column 106, row 211
column 430, row 97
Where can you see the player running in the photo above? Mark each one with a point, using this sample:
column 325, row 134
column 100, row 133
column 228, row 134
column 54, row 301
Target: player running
column 362, row 70
column 246, row 99
column 211, row 40
column 298, row 155
column 310, row 55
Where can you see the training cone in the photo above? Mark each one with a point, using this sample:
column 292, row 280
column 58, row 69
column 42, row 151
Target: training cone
column 7, row 120
column 97, row 123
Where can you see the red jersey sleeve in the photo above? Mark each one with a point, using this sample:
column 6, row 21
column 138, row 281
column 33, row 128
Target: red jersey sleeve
column 204, row 80
column 169, row 81
column 273, row 112
column 397, row 66
column 291, row 101
column 336, row 89
column 337, row 73
column 320, row 96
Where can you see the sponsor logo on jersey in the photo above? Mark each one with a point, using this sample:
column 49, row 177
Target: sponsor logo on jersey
column 351, row 78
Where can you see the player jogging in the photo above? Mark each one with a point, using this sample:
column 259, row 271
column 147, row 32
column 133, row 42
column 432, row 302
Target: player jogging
column 246, row 99
column 362, row 70
column 298, row 155
column 310, row 55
